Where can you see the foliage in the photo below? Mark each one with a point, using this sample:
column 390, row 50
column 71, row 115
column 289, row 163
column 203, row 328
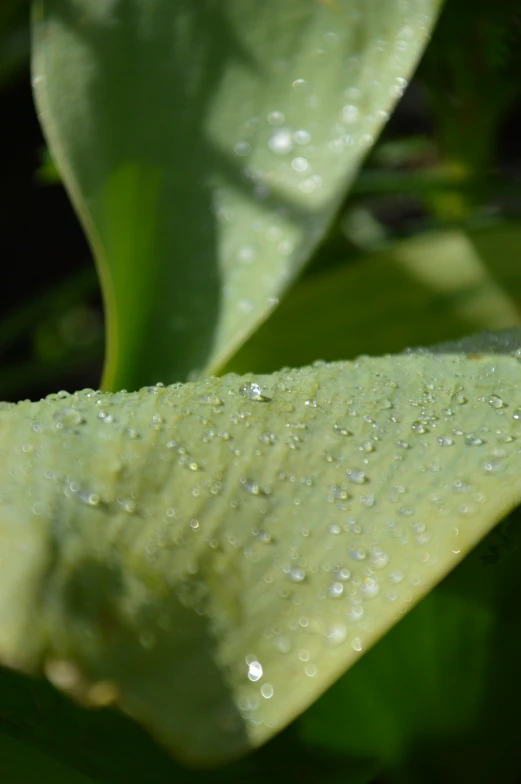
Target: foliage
column 212, row 556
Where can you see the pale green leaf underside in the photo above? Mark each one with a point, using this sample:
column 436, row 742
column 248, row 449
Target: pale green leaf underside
column 206, row 147
column 213, row 555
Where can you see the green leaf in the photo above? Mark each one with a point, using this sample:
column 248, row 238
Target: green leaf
column 200, row 141
column 25, row 765
column 212, row 556
column 14, row 38
column 113, row 749
column 432, row 287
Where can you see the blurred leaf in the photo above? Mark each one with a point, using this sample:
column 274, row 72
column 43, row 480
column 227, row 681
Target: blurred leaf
column 473, row 74
column 14, row 52
column 200, row 141
column 19, row 378
column 50, row 304
column 22, row 764
column 14, row 37
column 48, row 174
column 431, row 287
column 112, row 749
column 439, row 698
column 212, row 556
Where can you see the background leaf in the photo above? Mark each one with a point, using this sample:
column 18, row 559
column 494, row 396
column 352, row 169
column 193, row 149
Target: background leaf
column 200, row 142
column 14, row 37
column 437, row 286
column 112, row 749
column 24, row 765
column 212, row 556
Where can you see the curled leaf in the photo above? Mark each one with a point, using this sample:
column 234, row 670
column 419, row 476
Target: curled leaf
column 212, row 556
column 206, row 147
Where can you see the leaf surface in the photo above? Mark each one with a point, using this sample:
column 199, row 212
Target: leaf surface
column 212, row 556
column 206, row 147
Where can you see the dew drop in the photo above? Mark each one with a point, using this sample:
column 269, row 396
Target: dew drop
column 296, row 574
column 299, row 164
column 496, row 402
column 355, row 613
column 357, row 477
column 281, row 141
column 369, row 588
column 341, row 430
column 379, row 558
column 459, row 399
column 336, row 633
column 493, row 466
column 357, row 644
column 250, row 486
column 445, row 441
column 68, row 418
column 350, row 113
column 367, row 446
column 472, row 440
column 264, row 536
column 276, row 118
column 267, row 691
column 253, row 391
column 338, row 492
column 255, row 671
column 302, row 137
column 335, row 590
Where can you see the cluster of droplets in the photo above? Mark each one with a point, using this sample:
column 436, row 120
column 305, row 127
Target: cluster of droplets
column 330, row 484
column 287, row 158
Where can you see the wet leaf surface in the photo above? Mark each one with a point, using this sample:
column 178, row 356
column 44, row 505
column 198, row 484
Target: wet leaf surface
column 212, row 556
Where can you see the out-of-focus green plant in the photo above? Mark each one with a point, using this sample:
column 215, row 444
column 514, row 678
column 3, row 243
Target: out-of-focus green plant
column 14, row 37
